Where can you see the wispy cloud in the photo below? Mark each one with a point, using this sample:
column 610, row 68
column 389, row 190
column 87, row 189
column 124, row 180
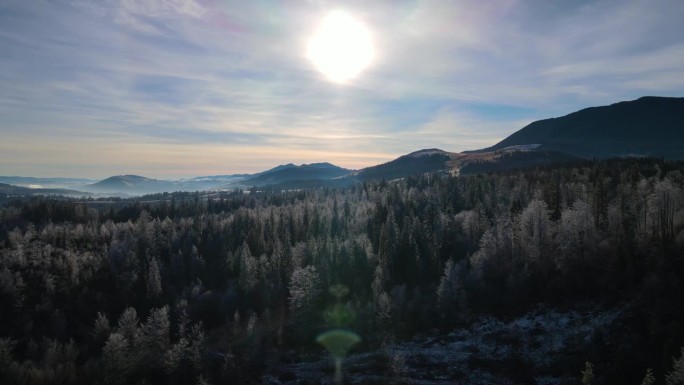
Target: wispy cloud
column 181, row 87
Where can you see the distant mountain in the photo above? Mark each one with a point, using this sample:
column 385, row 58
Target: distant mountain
column 211, row 182
column 290, row 176
column 439, row 161
column 131, row 184
column 649, row 126
column 23, row 181
column 8, row 189
column 276, row 169
column 289, row 173
column 418, row 162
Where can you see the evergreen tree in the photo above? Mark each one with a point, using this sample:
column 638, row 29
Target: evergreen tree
column 588, row 374
column 304, row 289
column 154, row 285
column 649, row 378
column 101, row 329
column 381, row 300
column 249, row 268
column 127, row 326
column 676, row 376
column 450, row 298
column 116, row 359
column 534, row 229
column 155, row 336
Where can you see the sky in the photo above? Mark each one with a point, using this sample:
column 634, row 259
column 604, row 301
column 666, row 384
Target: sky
column 178, row 88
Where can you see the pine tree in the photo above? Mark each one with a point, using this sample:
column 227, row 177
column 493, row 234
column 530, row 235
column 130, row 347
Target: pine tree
column 116, row 359
column 128, row 325
column 101, row 329
column 249, row 269
column 676, row 376
column 649, row 379
column 533, row 226
column 588, row 373
column 155, row 336
column 450, row 299
column 304, row 289
column 383, row 304
column 383, row 309
column 576, row 234
column 154, row 287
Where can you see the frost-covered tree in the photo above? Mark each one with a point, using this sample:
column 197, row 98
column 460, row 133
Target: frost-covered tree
column 249, row 268
column 473, row 223
column 588, row 374
column 576, row 234
column 116, row 359
column 154, row 284
column 101, row 329
column 127, row 325
column 155, row 336
column 383, row 309
column 487, row 252
column 534, row 232
column 304, row 289
column 664, row 203
column 649, row 378
column 615, row 222
column 450, row 297
column 123, row 262
column 676, row 376
column 381, row 300
column 59, row 362
column 186, row 353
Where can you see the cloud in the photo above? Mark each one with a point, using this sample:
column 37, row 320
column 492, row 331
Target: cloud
column 164, row 87
column 458, row 130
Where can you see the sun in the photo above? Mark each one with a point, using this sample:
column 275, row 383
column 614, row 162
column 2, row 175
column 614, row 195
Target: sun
column 341, row 47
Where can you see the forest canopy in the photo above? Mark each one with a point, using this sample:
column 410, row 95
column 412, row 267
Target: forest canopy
column 207, row 287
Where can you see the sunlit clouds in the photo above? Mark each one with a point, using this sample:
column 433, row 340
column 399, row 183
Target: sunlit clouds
column 183, row 88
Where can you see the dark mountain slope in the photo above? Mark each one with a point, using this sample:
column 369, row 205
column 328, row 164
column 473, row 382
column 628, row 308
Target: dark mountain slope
column 45, row 182
column 131, row 184
column 419, row 162
column 290, row 173
column 8, row 189
column 506, row 160
column 649, row 126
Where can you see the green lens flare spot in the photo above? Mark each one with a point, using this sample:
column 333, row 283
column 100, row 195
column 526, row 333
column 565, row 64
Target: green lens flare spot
column 338, row 341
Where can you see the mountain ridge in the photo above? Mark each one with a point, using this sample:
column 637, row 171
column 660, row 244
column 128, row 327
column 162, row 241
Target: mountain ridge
column 647, row 126
column 129, row 183
column 9, row 189
column 290, row 173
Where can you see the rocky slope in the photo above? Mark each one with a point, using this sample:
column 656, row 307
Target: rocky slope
column 537, row 348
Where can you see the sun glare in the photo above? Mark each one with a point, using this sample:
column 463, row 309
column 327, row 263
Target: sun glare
column 341, row 48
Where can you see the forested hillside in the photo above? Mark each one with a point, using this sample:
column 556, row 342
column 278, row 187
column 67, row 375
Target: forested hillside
column 205, row 288
column 648, row 126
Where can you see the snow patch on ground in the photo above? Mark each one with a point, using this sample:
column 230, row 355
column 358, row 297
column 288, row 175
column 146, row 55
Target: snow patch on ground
column 422, row 153
column 521, row 147
column 490, row 351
